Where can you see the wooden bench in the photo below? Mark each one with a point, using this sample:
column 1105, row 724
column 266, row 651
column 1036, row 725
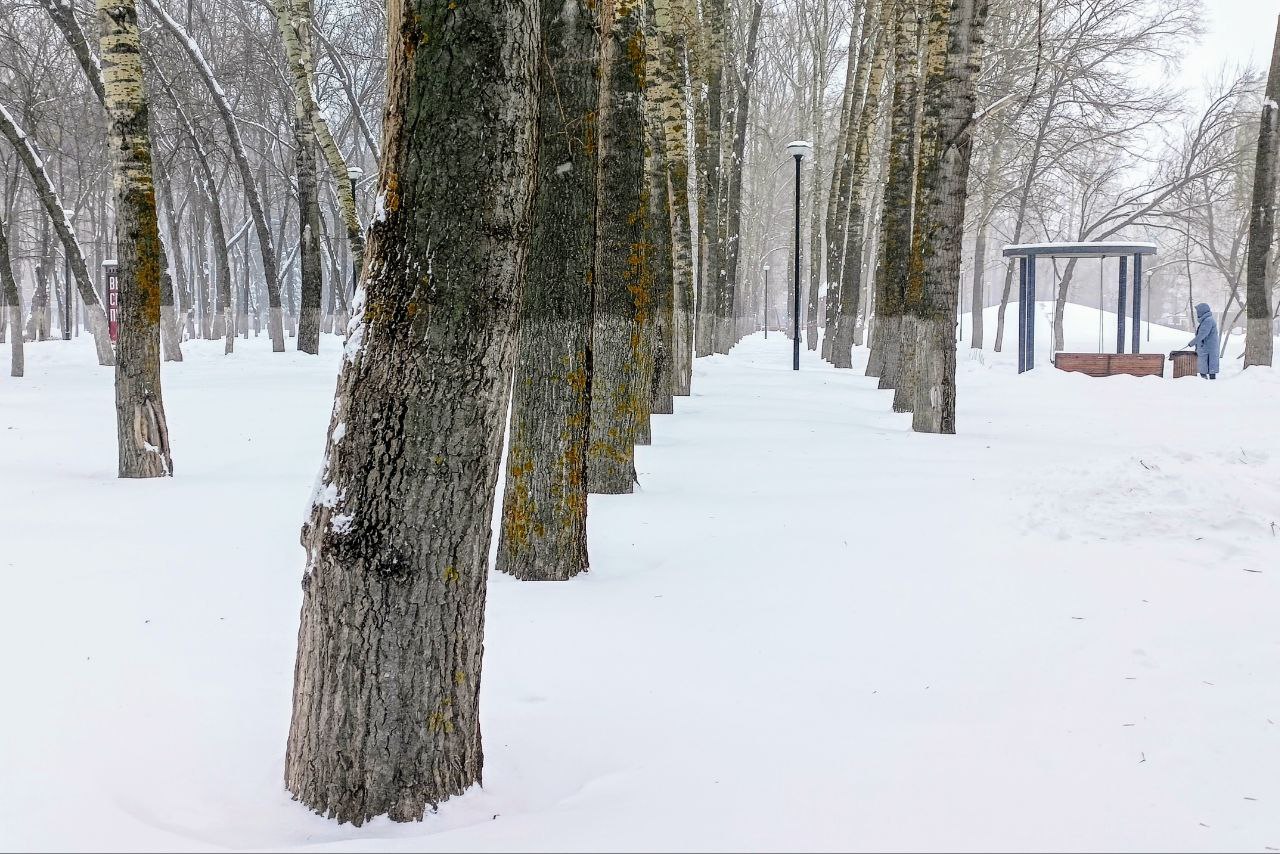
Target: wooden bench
column 1111, row 364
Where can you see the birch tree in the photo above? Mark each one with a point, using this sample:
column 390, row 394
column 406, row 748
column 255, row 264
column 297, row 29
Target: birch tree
column 13, row 301
column 141, row 428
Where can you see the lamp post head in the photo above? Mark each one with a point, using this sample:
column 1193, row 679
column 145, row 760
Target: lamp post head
column 766, row 268
column 354, row 173
column 798, row 148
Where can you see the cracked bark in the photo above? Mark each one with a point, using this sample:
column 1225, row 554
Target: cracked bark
column 544, row 509
column 386, row 685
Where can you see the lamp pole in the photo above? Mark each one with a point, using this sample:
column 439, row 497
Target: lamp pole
column 797, row 149
column 766, row 302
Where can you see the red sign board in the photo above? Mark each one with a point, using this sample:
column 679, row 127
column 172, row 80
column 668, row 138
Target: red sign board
column 110, row 273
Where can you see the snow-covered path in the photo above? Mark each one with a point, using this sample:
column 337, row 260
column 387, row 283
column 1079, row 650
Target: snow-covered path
column 809, row 629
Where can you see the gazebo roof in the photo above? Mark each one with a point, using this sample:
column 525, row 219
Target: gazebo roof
column 1098, row 249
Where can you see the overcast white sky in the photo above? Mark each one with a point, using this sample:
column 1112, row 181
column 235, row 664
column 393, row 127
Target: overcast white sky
column 1237, row 31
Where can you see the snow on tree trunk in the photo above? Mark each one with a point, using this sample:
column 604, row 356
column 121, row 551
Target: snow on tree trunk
column 544, row 510
column 62, row 227
column 709, row 145
column 141, row 428
column 13, row 302
column 1258, row 342
column 386, row 685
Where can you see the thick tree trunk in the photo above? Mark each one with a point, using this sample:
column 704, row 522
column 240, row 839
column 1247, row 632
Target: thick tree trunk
column 544, row 505
column 265, row 245
column 709, row 145
column 622, row 276
column 950, row 91
column 852, row 236
column 1259, row 341
column 386, row 686
column 670, row 94
column 309, row 262
column 13, row 302
column 62, row 227
column 895, row 224
column 140, row 420
column 929, row 148
column 660, row 221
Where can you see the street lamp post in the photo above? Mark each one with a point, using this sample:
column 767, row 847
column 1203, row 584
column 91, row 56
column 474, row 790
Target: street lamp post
column 797, row 149
column 766, row 302
column 354, row 173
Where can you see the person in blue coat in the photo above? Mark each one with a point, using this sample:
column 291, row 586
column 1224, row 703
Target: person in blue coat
column 1206, row 342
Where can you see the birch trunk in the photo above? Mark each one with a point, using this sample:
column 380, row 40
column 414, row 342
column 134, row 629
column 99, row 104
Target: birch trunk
column 13, row 302
column 1259, row 341
column 386, row 685
column 62, row 227
column 544, row 506
column 294, row 20
column 622, row 277
column 263, row 232
column 140, row 420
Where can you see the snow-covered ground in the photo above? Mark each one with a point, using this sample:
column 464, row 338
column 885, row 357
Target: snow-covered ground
column 810, row 628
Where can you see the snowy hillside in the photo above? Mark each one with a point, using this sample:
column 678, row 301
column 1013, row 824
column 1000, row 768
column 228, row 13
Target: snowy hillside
column 810, row 629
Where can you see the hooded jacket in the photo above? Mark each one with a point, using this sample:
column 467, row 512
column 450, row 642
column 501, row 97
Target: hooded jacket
column 1206, row 340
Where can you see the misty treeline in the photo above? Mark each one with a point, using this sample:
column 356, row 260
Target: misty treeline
column 546, row 211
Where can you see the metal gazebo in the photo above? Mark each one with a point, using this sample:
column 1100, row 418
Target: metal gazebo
column 1027, row 253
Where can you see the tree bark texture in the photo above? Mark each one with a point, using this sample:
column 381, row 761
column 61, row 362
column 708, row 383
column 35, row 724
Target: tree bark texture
column 659, row 227
column 895, row 224
column 622, row 281
column 544, row 507
column 1258, row 342
column 141, row 428
column 950, row 91
column 710, row 286
column 386, row 685
column 311, row 268
column 670, row 93
column 726, row 324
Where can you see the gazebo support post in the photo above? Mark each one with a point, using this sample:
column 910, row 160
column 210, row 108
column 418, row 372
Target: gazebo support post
column 1031, row 311
column 1137, row 303
column 1122, row 305
column 1022, row 313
